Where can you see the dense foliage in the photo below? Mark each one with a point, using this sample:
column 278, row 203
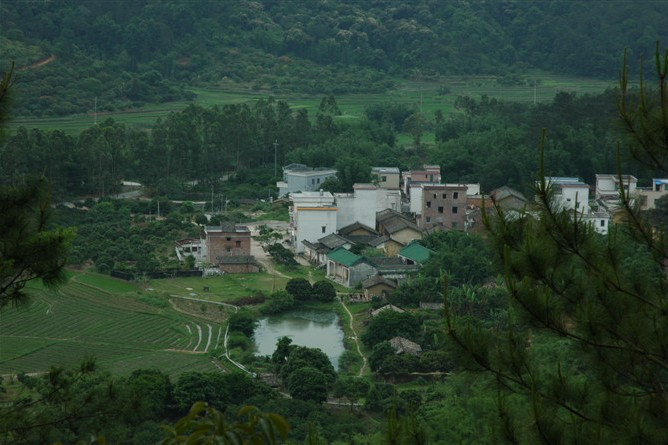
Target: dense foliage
column 126, row 55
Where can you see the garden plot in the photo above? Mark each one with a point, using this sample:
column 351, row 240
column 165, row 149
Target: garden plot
column 63, row 328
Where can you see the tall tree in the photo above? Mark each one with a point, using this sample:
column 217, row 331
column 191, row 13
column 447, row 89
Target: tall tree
column 28, row 249
column 585, row 354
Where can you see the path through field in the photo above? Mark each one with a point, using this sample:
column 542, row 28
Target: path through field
column 357, row 344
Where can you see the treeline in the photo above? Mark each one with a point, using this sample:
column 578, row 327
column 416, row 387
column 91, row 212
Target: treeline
column 233, row 148
column 127, row 55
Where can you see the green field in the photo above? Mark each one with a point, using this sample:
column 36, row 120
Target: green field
column 123, row 333
column 423, row 94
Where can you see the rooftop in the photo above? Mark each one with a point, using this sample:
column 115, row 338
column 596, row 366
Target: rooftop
column 344, row 256
column 416, row 252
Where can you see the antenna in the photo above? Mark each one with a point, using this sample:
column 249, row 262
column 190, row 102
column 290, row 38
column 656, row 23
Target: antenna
column 275, row 147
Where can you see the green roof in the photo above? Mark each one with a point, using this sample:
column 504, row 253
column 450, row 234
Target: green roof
column 416, row 252
column 344, row 256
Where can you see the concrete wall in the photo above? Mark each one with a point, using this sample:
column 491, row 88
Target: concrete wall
column 312, row 223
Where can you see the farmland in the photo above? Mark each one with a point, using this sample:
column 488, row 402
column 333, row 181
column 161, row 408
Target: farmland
column 122, row 330
column 427, row 95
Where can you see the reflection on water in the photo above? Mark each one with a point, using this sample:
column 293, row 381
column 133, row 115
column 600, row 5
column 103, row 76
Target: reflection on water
column 315, row 329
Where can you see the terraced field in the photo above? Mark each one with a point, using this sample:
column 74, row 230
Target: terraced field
column 79, row 320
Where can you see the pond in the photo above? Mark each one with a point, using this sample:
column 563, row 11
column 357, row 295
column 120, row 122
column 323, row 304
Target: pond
column 314, row 329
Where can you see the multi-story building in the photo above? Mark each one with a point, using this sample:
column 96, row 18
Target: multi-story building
column 361, row 205
column 386, row 177
column 430, row 174
column 226, row 240
column 570, row 193
column 443, row 206
column 608, row 186
column 301, row 178
column 312, row 216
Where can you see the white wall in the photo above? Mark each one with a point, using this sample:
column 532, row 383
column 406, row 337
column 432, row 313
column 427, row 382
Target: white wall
column 312, row 224
column 569, row 195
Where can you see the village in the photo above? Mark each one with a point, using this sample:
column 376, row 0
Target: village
column 369, row 240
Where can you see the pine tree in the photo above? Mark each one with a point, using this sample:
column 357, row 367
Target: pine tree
column 583, row 357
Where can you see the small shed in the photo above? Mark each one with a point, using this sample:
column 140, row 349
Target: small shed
column 403, row 345
column 378, row 286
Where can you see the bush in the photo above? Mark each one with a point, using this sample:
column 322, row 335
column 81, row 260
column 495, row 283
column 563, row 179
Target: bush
column 300, row 289
column 324, row 291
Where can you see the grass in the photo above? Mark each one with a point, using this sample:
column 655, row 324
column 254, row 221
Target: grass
column 90, row 316
column 423, row 94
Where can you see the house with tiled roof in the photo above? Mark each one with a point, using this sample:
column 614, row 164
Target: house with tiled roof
column 348, row 268
column 415, row 253
column 378, row 286
column 316, row 253
column 399, row 229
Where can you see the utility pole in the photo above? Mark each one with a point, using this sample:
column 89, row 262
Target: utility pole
column 212, row 199
column 275, row 147
column 158, row 208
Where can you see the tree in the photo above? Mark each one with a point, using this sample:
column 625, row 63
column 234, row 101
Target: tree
column 324, row 291
column 388, row 324
column 308, row 384
column 207, row 426
column 243, row 321
column 29, row 249
column 299, row 288
column 585, row 354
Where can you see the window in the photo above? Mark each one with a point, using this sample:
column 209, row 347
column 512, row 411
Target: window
column 324, row 229
column 318, row 180
column 434, row 195
column 454, row 210
column 313, row 181
column 440, row 209
column 229, row 238
column 228, row 249
column 383, row 178
column 431, row 178
column 429, row 204
column 237, row 244
column 568, row 199
column 602, row 223
column 455, row 195
column 428, row 219
column 445, row 196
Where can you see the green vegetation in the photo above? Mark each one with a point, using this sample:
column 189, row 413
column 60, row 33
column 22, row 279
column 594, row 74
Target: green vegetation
column 123, row 333
column 104, row 58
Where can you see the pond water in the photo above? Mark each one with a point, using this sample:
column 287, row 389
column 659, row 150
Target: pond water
column 314, row 329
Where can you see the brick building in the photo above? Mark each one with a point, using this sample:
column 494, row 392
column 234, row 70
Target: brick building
column 443, row 206
column 226, row 240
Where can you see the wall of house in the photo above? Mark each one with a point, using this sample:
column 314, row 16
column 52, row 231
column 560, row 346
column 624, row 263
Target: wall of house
column 239, row 268
column 443, row 206
column 360, row 272
column 570, row 194
column 227, row 244
column 313, row 223
column 378, row 290
column 388, row 181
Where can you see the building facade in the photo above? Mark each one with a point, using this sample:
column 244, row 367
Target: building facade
column 443, row 207
column 301, row 178
column 312, row 216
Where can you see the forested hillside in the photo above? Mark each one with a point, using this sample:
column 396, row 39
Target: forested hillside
column 131, row 53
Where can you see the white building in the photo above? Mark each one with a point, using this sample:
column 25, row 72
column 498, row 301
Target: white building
column 648, row 197
column 570, row 193
column 608, row 186
column 312, row 216
column 361, row 205
column 300, row 178
column 600, row 221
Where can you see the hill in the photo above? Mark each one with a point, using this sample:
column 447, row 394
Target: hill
column 118, row 55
